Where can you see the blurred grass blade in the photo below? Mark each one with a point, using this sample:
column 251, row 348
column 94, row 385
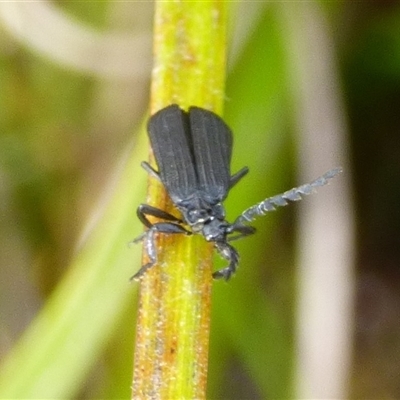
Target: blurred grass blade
column 55, row 354
column 326, row 242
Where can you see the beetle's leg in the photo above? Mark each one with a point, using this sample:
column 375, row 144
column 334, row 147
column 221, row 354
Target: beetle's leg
column 150, row 170
column 242, row 230
column 229, row 253
column 149, row 245
column 237, row 177
column 144, row 209
column 148, row 239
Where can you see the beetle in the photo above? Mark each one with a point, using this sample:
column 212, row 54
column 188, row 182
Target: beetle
column 193, row 152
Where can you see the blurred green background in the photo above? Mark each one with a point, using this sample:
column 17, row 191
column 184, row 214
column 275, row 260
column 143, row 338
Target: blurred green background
column 74, row 93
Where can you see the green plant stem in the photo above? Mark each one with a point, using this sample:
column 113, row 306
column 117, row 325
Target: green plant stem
column 171, row 353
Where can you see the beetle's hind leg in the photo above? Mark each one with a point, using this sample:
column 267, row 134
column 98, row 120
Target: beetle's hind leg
column 150, row 170
column 235, row 178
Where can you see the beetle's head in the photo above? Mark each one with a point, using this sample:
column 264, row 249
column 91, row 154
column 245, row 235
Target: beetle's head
column 215, row 230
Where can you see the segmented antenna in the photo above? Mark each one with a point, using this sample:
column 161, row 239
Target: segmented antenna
column 283, row 199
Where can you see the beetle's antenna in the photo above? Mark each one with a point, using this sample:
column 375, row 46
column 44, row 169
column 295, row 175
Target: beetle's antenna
column 283, row 199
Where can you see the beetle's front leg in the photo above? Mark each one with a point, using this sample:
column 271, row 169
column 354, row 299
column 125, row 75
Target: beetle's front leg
column 148, row 239
column 229, row 253
column 145, row 210
column 241, row 230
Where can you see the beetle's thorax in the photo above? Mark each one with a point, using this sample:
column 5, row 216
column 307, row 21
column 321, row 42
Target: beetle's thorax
column 205, row 218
